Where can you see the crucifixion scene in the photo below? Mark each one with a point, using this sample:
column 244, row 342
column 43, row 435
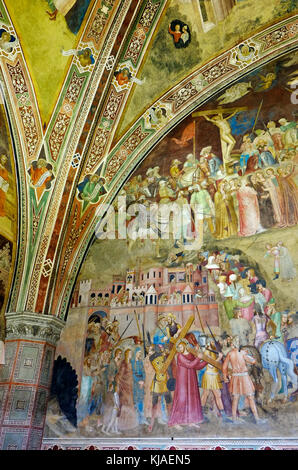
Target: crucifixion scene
column 194, row 336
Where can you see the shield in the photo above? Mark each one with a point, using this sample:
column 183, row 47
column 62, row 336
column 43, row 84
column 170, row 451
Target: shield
column 292, row 350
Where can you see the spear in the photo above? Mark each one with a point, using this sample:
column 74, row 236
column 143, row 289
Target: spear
column 257, row 117
column 217, row 345
column 225, row 394
column 137, row 324
column 124, row 332
column 200, row 319
column 144, row 342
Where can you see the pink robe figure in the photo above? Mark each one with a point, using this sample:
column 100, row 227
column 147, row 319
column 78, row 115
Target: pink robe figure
column 149, row 373
column 268, row 295
column 248, row 311
column 249, row 213
column 187, row 408
column 261, row 332
column 275, row 197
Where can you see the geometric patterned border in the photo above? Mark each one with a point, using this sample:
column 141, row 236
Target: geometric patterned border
column 172, row 444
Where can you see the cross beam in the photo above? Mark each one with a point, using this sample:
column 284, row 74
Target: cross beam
column 218, row 111
column 182, row 334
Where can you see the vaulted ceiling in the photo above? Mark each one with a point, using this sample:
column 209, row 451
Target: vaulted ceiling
column 79, row 79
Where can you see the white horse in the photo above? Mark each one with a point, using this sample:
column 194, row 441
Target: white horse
column 274, row 356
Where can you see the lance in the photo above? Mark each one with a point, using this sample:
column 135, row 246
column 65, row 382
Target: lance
column 144, row 342
column 217, row 345
column 124, row 332
column 225, row 394
column 138, row 324
column 257, row 117
column 200, row 319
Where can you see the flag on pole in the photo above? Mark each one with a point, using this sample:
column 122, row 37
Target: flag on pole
column 187, row 134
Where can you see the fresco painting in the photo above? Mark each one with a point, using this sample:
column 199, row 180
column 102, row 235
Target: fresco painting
column 148, row 224
column 195, row 337
column 8, row 215
column 57, row 27
column 209, row 27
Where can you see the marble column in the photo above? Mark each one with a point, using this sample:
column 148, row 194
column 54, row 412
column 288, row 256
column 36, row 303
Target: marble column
column 25, row 379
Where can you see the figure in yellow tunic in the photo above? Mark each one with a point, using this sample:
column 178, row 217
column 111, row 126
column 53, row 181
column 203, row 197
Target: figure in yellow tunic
column 226, row 218
column 159, row 387
column 211, row 381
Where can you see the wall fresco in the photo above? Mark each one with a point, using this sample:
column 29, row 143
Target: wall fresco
column 194, row 334
column 8, row 213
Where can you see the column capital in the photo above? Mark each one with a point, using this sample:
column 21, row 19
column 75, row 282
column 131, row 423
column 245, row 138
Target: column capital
column 33, row 326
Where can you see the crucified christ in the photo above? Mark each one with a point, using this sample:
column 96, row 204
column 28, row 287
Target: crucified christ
column 227, row 140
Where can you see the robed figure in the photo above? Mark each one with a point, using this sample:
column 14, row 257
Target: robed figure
column 187, row 408
column 226, row 218
column 249, row 213
column 124, row 381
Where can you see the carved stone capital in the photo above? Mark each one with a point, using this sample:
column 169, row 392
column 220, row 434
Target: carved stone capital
column 34, row 326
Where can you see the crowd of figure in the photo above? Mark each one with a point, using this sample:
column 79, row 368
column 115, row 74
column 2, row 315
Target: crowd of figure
column 257, row 194
column 131, row 387
column 247, row 300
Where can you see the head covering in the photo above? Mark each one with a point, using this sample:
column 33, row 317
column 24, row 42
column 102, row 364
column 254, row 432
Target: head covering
column 228, row 292
column 135, row 353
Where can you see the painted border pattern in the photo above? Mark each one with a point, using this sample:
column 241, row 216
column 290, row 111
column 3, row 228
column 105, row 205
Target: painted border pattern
column 169, row 444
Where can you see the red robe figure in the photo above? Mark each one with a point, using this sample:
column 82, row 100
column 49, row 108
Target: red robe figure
column 187, row 409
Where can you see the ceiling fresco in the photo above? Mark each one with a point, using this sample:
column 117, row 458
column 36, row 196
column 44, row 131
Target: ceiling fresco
column 213, row 27
column 106, row 104
column 54, row 31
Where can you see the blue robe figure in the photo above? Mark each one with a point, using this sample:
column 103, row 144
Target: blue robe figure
column 267, row 158
column 138, row 385
column 214, row 165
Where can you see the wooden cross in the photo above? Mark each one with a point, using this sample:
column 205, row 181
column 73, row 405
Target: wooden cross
column 218, row 111
column 174, row 341
column 173, row 351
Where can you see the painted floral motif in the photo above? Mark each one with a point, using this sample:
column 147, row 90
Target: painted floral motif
column 113, row 105
column 74, row 88
column 58, row 134
column 97, row 148
column 181, row 96
column 17, row 78
column 149, row 13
